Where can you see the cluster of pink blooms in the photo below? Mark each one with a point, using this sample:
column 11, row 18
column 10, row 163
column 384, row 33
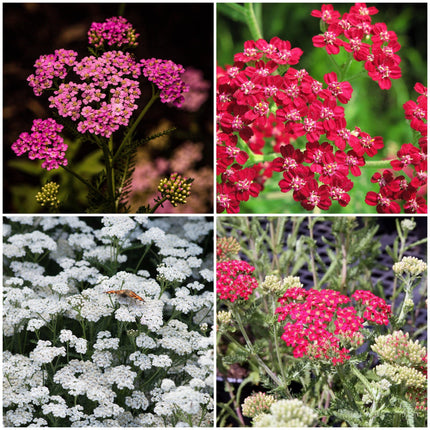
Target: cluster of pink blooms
column 115, row 31
column 166, row 75
column 380, row 58
column 43, row 143
column 256, row 101
column 319, row 323
column 49, row 67
column 410, row 159
column 234, row 280
column 105, row 99
column 198, row 89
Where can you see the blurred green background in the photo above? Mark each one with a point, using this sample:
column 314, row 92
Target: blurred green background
column 377, row 112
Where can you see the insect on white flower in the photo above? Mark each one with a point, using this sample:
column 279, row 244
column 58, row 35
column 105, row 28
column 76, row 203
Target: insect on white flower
column 126, row 293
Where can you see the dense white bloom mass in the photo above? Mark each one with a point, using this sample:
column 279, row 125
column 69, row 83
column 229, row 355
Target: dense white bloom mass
column 117, row 321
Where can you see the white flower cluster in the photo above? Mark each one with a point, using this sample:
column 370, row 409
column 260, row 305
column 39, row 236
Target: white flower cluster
column 118, row 317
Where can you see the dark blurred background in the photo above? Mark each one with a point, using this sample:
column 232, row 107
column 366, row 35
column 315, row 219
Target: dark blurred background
column 182, row 33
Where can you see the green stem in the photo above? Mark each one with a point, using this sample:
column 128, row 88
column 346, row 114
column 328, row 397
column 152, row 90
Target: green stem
column 346, row 386
column 110, row 172
column 275, row 379
column 131, row 130
column 158, row 204
column 252, row 22
column 377, row 163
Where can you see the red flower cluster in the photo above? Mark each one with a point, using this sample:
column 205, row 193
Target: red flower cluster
column 352, row 31
column 410, row 159
column 318, row 324
column 376, row 309
column 318, row 174
column 264, row 105
column 234, row 280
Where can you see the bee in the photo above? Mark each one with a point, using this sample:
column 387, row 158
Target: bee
column 126, row 293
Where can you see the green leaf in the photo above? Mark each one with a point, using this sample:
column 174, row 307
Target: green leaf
column 234, row 11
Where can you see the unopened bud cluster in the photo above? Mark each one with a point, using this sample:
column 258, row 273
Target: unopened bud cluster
column 175, row 188
column 398, row 348
column 48, row 195
column 257, row 403
column 403, row 375
column 408, row 224
column 226, row 248
column 410, row 265
column 274, row 285
column 224, row 317
column 286, row 413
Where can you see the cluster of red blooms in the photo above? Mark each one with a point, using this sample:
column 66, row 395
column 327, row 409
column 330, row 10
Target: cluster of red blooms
column 318, row 323
column 234, row 280
column 380, row 58
column 256, row 100
column 411, row 160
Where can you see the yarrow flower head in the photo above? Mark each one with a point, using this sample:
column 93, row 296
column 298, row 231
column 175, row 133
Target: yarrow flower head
column 405, row 363
column 235, row 280
column 319, row 325
column 398, row 348
column 257, row 403
column 176, row 188
column 48, row 195
column 50, row 67
column 106, row 100
column 115, row 31
column 226, row 247
column 166, row 75
column 286, row 413
column 410, row 265
column 43, row 143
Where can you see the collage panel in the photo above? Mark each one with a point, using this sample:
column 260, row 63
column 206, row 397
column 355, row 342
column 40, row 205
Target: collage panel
column 321, row 321
column 108, row 321
column 107, row 107
column 321, row 108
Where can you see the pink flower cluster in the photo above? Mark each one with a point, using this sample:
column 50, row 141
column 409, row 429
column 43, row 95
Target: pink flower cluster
column 198, row 89
column 318, row 323
column 353, row 31
column 234, row 280
column 106, row 98
column 49, row 67
column 115, row 31
column 43, row 143
column 166, row 75
column 410, row 159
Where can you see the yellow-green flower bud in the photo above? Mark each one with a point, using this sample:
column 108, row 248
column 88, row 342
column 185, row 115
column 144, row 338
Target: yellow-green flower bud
column 48, row 195
column 257, row 403
column 408, row 224
column 175, row 188
column 286, row 413
column 404, row 375
column 410, row 265
column 291, row 282
column 398, row 348
column 272, row 285
column 224, row 317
